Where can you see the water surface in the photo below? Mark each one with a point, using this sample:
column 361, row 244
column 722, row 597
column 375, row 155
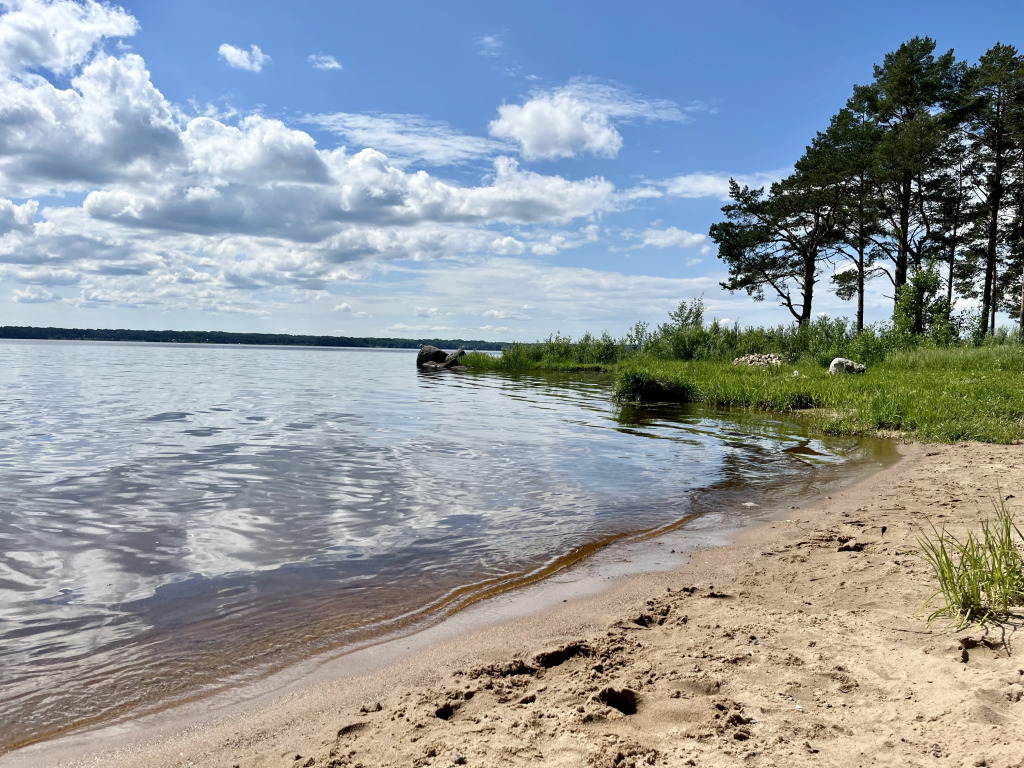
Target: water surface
column 178, row 516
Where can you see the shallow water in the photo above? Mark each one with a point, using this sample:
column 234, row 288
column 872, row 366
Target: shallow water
column 178, row 516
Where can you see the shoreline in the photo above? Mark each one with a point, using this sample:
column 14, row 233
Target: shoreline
column 702, row 646
column 719, row 505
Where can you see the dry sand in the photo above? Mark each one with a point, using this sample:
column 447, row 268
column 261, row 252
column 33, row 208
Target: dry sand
column 801, row 643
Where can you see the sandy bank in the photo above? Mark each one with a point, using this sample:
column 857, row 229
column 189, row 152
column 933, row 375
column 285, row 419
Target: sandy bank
column 776, row 650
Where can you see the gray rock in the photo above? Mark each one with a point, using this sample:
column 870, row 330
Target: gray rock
column 452, row 360
column 430, row 354
column 842, row 365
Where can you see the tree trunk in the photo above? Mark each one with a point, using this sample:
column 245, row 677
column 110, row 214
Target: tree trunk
column 1022, row 303
column 860, row 296
column 810, row 265
column 862, row 246
column 903, row 244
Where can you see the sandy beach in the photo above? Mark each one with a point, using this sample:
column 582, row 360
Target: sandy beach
column 801, row 642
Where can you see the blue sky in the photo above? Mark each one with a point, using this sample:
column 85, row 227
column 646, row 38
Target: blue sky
column 455, row 169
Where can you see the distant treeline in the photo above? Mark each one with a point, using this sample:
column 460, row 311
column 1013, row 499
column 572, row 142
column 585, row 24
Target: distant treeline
column 223, row 337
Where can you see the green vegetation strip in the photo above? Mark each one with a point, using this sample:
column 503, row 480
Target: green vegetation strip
column 941, row 395
column 926, row 393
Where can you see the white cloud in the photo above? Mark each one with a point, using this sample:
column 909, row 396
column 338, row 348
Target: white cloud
column 111, row 125
column 405, row 328
column 501, row 314
column 47, row 276
column 694, row 185
column 151, row 208
column 322, row 61
column 672, row 237
column 34, row 295
column 575, row 119
column 57, row 35
column 252, row 60
column 507, row 246
column 489, row 45
column 17, row 217
column 346, row 307
column 556, row 126
column 408, row 138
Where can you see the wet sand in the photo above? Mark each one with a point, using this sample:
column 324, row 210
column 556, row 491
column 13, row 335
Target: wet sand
column 799, row 643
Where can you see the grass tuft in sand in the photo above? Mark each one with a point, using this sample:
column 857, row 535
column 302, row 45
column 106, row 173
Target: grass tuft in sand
column 981, row 576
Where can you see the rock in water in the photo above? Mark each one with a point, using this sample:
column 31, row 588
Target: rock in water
column 842, row 365
column 430, row 354
column 453, row 359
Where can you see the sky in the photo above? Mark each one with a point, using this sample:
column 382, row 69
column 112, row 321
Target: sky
column 496, row 171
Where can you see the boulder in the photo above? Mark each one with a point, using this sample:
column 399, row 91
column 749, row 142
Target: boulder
column 452, row 360
column 430, row 354
column 434, row 359
column 842, row 365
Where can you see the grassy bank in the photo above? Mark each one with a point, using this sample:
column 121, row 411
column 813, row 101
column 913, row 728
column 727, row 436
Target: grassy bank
column 948, row 387
column 943, row 395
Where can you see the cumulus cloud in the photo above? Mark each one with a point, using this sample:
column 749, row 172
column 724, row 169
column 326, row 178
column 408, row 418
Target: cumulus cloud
column 56, row 34
column 252, row 60
column 348, row 308
column 408, row 138
column 575, row 119
column 322, row 61
column 111, row 125
column 34, row 295
column 672, row 237
column 15, row 217
column 115, row 197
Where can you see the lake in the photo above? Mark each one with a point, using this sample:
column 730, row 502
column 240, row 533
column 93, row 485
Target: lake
column 176, row 518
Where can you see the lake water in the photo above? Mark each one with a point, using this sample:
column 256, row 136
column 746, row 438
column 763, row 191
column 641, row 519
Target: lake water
column 177, row 517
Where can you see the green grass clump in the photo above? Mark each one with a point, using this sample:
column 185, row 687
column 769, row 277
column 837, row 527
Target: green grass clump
column 557, row 353
column 929, row 393
column 981, row 578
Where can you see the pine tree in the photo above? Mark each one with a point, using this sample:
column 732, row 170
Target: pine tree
column 779, row 241
column 907, row 103
column 994, row 87
column 852, row 139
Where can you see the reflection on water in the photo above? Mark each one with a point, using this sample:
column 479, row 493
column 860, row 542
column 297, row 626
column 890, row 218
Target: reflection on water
column 176, row 515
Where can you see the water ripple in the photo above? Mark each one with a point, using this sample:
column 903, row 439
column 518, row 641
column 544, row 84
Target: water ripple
column 177, row 514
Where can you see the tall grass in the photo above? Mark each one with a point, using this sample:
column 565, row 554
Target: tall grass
column 558, row 353
column 943, row 395
column 949, row 392
column 980, row 577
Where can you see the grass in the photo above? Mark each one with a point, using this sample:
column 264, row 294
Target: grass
column 913, row 385
column 981, row 577
column 933, row 394
column 558, row 353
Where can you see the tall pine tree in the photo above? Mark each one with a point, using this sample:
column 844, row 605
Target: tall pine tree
column 994, row 87
column 907, row 101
